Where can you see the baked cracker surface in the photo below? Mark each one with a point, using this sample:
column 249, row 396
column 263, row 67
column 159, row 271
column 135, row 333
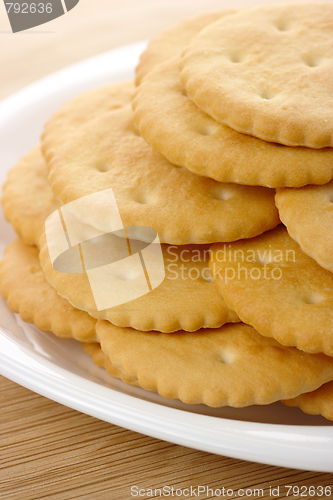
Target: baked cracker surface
column 278, row 289
column 27, row 292
column 308, row 215
column 187, row 298
column 267, row 72
column 81, row 109
column 182, row 207
column 188, row 137
column 103, row 361
column 319, row 402
column 27, row 199
column 233, row 365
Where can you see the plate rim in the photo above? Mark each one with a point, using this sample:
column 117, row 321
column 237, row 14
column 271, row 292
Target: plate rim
column 115, row 407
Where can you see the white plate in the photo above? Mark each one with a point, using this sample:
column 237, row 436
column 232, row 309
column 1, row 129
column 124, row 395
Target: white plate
column 60, row 370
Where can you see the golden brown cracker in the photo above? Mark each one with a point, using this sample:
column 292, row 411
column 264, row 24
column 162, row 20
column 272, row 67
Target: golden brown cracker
column 188, row 137
column 187, row 298
column 308, row 214
column 278, row 289
column 27, row 198
column 24, row 287
column 103, row 361
column 182, row 207
column 87, row 106
column 267, row 72
column 232, row 365
column 318, row 402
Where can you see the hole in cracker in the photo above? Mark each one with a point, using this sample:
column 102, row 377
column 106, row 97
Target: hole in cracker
column 206, row 276
column 133, row 129
column 329, row 196
column 311, row 298
column 226, row 357
column 263, row 258
column 123, row 275
column 282, row 25
column 142, row 198
column 207, row 129
column 267, row 95
column 311, row 60
column 222, row 193
column 102, row 166
column 136, row 132
column 236, row 57
column 35, row 271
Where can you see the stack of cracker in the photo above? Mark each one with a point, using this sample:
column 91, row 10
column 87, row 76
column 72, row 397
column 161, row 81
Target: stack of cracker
column 228, row 126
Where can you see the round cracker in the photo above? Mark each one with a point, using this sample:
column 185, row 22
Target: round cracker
column 319, row 402
column 172, row 41
column 178, row 129
column 87, row 106
column 27, row 198
column 267, row 71
column 187, row 298
column 103, row 361
column 278, row 289
column 182, row 207
column 308, row 214
column 232, row 365
column 24, row 287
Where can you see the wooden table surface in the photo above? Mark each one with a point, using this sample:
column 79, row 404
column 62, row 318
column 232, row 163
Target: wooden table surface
column 48, row 450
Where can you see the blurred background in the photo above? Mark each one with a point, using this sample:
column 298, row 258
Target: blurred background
column 93, row 26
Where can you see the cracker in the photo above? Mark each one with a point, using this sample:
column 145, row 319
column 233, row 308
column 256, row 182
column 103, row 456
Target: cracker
column 278, row 289
column 232, row 365
column 319, row 402
column 24, row 287
column 27, row 198
column 267, row 71
column 182, row 207
column 187, row 298
column 308, row 214
column 87, row 106
column 172, row 41
column 178, row 129
column 103, row 361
